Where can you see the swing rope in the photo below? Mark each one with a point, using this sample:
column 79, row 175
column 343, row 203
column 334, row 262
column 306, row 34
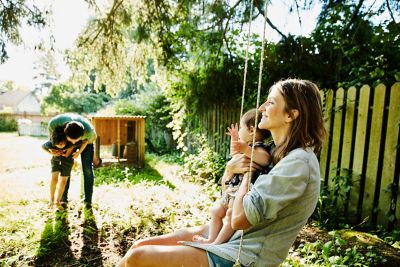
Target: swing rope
column 246, row 58
column 260, row 72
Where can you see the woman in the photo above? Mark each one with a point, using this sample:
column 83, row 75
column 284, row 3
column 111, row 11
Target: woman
column 278, row 205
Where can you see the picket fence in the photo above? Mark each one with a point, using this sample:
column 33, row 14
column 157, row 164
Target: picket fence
column 360, row 160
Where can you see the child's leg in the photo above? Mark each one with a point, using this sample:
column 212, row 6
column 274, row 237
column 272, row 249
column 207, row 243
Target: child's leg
column 226, row 230
column 217, row 214
column 53, row 185
column 61, row 186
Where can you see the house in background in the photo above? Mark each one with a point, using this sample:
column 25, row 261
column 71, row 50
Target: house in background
column 19, row 101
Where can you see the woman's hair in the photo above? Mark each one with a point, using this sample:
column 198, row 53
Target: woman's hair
column 58, row 135
column 307, row 130
column 74, row 129
column 249, row 119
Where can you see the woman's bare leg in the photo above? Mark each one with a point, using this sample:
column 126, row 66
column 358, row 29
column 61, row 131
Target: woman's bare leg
column 172, row 239
column 166, row 256
column 157, row 247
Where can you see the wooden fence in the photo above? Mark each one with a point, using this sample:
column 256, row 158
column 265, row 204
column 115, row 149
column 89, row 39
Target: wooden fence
column 360, row 160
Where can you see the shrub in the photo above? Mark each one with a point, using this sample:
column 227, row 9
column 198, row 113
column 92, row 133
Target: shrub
column 7, row 124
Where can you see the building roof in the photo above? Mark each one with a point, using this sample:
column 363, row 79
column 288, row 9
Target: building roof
column 114, row 117
column 13, row 98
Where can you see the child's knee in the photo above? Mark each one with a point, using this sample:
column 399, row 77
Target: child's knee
column 218, row 211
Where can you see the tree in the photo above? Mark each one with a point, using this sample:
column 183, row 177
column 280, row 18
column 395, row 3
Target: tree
column 65, row 98
column 14, row 13
column 47, row 75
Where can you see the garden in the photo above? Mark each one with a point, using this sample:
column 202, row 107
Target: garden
column 189, row 68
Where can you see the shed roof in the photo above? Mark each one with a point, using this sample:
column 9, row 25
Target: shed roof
column 115, row 117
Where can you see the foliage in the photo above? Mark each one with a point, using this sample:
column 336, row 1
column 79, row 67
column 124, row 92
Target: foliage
column 118, row 173
column 65, row 98
column 333, row 201
column 47, row 76
column 203, row 163
column 13, row 14
column 335, row 252
column 7, row 124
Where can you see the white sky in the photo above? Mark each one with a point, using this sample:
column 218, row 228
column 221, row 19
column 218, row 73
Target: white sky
column 70, row 16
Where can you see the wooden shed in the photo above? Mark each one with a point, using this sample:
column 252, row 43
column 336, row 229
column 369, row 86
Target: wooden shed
column 126, row 133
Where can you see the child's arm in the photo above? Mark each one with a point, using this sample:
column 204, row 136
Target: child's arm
column 47, row 147
column 233, row 132
column 260, row 155
column 68, row 152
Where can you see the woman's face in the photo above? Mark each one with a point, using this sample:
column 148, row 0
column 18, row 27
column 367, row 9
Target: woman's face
column 273, row 111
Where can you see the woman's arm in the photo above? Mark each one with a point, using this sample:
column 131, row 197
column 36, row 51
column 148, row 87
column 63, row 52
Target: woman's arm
column 260, row 155
column 239, row 220
column 239, row 163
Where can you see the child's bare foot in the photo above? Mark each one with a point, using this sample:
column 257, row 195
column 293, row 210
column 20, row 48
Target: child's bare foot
column 59, row 206
column 200, row 239
column 50, row 204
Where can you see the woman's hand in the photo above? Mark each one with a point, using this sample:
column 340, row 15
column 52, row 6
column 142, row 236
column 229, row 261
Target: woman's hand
column 240, row 164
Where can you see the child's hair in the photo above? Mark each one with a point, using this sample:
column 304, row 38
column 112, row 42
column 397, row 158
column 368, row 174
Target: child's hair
column 58, row 135
column 249, row 119
column 74, row 129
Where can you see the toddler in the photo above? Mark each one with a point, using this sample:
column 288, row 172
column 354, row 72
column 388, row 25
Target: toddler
column 61, row 164
column 241, row 142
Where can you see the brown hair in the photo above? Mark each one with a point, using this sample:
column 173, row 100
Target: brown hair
column 58, row 136
column 307, row 130
column 249, row 119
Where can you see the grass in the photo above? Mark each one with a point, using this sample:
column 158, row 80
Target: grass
column 131, row 204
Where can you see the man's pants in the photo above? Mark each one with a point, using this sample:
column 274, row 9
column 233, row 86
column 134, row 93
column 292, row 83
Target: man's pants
column 88, row 176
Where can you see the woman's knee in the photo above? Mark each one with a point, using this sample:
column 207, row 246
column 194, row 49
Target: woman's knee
column 136, row 257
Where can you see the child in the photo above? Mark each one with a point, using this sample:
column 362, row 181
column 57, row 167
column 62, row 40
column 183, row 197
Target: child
column 241, row 142
column 61, row 163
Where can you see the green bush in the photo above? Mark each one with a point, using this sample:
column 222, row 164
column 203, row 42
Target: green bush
column 204, row 162
column 7, row 124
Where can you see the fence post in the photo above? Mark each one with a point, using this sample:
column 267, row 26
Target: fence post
column 347, row 142
column 389, row 158
column 371, row 174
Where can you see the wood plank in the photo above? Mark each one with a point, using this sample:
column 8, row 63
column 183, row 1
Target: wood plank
column 359, row 150
column 327, row 118
column 390, row 151
column 373, row 151
column 347, row 141
column 337, row 128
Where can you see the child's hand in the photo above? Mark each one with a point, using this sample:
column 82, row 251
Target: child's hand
column 75, row 155
column 238, row 147
column 55, row 152
column 233, row 132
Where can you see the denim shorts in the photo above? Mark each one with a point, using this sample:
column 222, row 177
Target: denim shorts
column 217, row 261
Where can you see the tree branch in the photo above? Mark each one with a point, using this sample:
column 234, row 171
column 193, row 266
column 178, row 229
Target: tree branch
column 353, row 17
column 390, row 12
column 257, row 4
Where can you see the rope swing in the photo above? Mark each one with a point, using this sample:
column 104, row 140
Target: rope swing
column 260, row 72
